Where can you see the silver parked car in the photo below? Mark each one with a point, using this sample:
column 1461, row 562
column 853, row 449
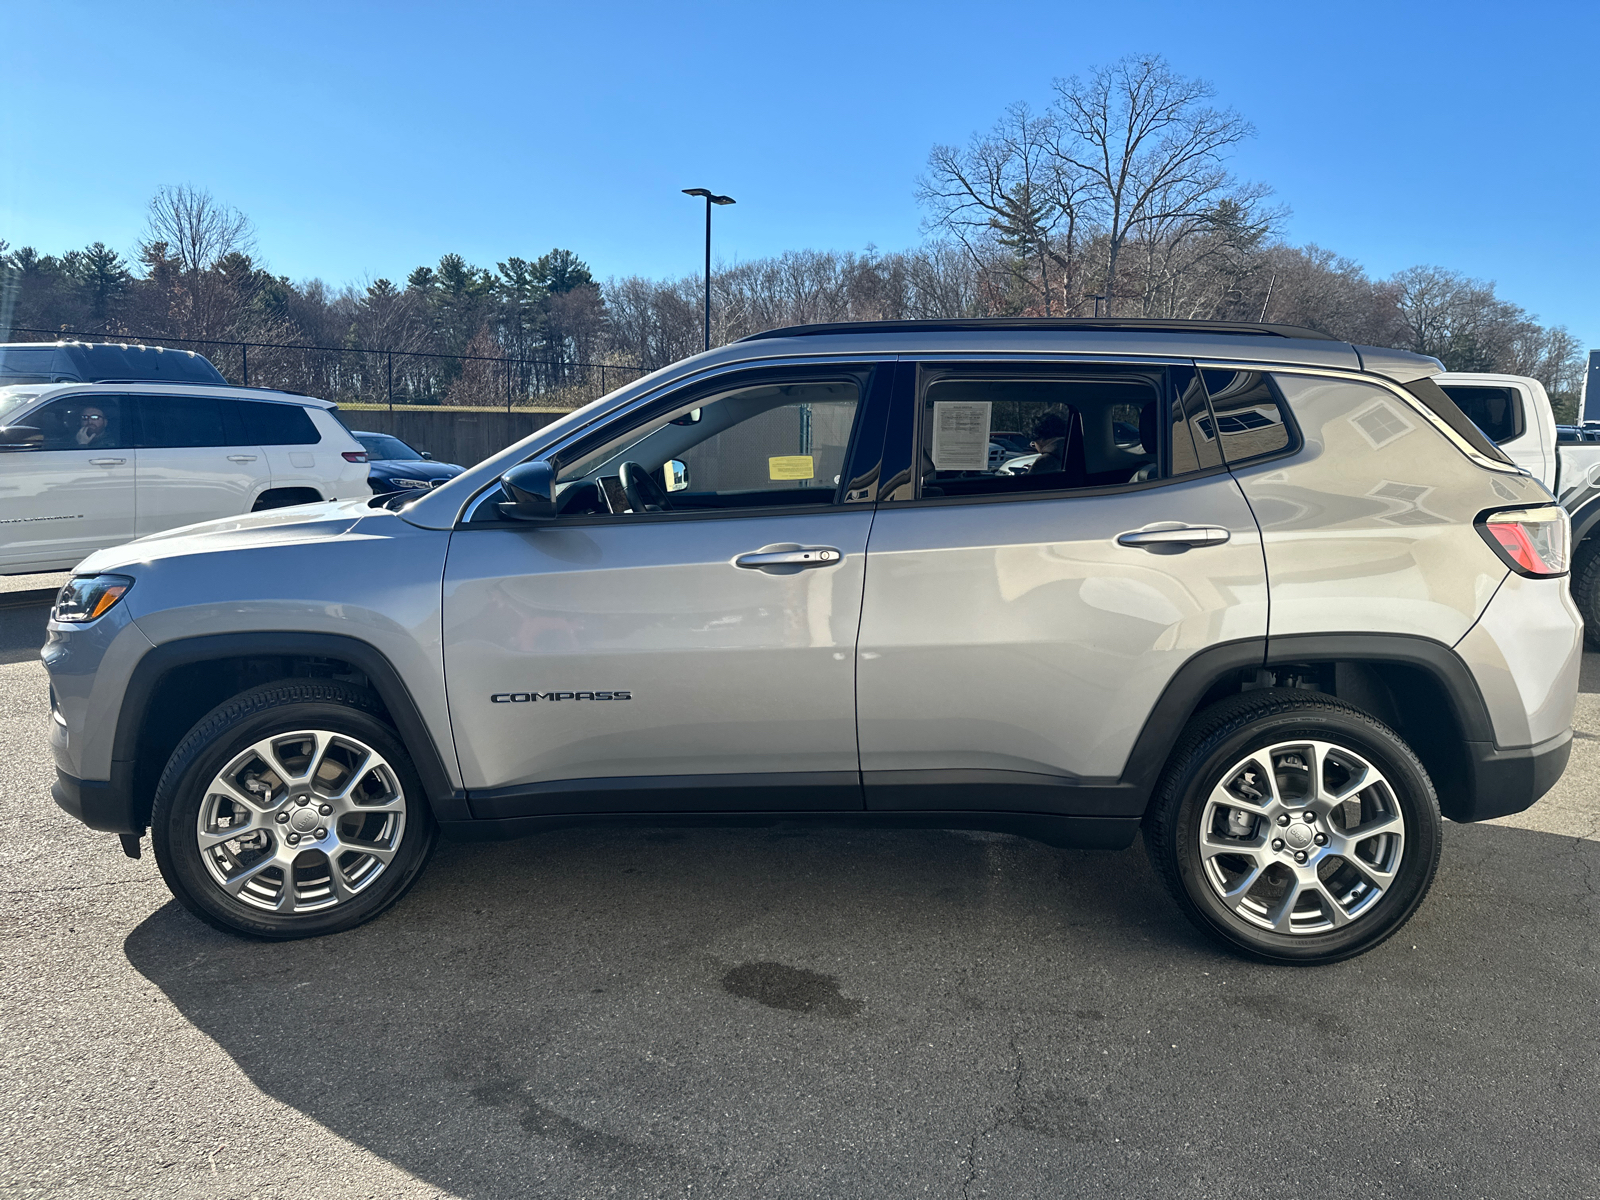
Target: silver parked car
column 1306, row 611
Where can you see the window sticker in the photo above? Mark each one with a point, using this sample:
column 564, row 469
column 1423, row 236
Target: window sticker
column 961, row 435
column 791, row 466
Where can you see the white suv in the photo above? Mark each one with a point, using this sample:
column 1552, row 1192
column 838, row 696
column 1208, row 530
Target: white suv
column 86, row 466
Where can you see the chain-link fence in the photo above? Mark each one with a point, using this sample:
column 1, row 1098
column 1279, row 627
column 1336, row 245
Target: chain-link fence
column 368, row 379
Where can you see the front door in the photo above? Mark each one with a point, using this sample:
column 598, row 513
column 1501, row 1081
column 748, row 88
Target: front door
column 682, row 636
column 66, row 484
column 1020, row 623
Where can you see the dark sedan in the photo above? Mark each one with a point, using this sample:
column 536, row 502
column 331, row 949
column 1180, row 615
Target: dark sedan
column 396, row 467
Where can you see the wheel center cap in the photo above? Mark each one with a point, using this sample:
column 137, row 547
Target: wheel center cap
column 304, row 820
column 1298, row 836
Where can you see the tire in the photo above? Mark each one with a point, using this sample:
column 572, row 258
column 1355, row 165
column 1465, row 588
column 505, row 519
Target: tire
column 341, row 805
column 1585, row 585
column 1244, row 886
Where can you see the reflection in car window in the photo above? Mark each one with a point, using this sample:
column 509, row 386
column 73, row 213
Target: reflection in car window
column 1249, row 414
column 764, row 444
column 73, row 423
column 1079, row 432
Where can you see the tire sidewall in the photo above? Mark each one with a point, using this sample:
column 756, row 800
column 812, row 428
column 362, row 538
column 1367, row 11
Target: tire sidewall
column 177, row 806
column 1413, row 793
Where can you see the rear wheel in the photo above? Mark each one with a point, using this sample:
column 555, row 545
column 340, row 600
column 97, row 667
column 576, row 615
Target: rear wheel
column 1295, row 828
column 290, row 811
column 1585, row 586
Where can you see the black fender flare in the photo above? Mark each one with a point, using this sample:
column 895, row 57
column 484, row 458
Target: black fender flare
column 447, row 801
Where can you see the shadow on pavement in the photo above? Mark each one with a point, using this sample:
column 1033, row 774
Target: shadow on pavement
column 785, row 1012
column 23, row 616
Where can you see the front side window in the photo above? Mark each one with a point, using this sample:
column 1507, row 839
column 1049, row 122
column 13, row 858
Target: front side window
column 775, row 442
column 1018, row 432
column 73, row 423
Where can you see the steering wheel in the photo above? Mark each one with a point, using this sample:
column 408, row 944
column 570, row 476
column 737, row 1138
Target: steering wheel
column 640, row 487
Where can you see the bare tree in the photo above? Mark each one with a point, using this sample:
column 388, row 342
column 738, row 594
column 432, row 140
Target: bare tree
column 1012, row 188
column 1147, row 146
column 189, row 235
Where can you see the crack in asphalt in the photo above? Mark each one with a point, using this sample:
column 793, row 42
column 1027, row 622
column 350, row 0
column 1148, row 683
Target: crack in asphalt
column 1002, row 1113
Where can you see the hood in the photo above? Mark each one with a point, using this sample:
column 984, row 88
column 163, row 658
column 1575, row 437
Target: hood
column 278, row 526
column 415, row 468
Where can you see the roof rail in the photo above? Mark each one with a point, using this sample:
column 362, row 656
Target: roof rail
column 197, row 383
column 1052, row 324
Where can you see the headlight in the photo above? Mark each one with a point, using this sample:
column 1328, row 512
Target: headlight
column 89, row 596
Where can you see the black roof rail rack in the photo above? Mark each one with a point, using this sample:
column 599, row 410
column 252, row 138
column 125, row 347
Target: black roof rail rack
column 1059, row 324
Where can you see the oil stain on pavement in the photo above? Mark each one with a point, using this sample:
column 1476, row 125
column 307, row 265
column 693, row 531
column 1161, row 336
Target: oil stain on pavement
column 792, row 988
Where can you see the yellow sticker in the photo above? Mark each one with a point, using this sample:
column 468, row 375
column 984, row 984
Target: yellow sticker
column 791, row 466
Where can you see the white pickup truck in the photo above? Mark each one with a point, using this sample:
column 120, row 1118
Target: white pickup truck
column 1514, row 411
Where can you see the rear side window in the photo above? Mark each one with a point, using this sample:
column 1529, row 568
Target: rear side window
column 1495, row 410
column 267, row 424
column 988, row 431
column 1250, row 416
column 180, row 421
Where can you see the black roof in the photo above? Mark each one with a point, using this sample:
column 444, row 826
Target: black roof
column 1053, row 324
column 94, row 362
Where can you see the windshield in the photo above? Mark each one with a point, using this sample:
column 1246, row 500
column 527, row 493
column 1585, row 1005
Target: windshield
column 381, row 445
column 14, row 400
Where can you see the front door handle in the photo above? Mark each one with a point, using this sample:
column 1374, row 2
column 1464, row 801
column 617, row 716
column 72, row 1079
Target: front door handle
column 107, row 462
column 798, row 556
column 241, row 458
column 1172, row 539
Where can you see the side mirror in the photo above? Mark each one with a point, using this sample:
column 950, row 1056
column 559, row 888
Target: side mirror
column 676, row 476
column 20, row 437
column 426, row 455
column 531, row 487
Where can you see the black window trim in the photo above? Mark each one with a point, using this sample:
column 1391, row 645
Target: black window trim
column 875, row 376
column 920, row 364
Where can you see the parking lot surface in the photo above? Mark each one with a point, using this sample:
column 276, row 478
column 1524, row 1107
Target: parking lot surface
column 781, row 1012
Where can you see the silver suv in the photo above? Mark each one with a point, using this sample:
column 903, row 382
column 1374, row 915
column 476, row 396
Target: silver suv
column 1267, row 595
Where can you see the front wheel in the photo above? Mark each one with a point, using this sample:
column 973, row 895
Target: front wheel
column 290, row 811
column 1295, row 828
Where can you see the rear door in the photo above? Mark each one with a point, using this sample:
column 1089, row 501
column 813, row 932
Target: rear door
column 66, row 483
column 1017, row 630
column 190, row 469
column 690, row 652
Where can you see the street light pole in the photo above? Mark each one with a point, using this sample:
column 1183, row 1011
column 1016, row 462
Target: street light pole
column 710, row 200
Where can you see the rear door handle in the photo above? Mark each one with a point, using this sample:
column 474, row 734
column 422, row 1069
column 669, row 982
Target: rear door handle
column 805, row 556
column 241, row 458
column 107, row 462
column 1193, row 535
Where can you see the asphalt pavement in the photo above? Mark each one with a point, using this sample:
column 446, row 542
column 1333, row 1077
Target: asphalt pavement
column 783, row 1013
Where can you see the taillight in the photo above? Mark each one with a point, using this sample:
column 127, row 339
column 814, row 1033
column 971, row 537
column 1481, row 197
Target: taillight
column 1531, row 541
column 355, row 456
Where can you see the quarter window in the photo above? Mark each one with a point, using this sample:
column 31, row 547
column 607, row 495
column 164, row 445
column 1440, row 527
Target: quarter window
column 268, row 424
column 1249, row 415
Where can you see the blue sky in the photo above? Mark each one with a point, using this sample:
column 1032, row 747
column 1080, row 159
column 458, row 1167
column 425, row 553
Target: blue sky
column 366, row 139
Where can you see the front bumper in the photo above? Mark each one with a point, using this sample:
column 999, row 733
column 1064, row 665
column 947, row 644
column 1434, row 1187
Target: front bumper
column 100, row 804
column 1501, row 782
